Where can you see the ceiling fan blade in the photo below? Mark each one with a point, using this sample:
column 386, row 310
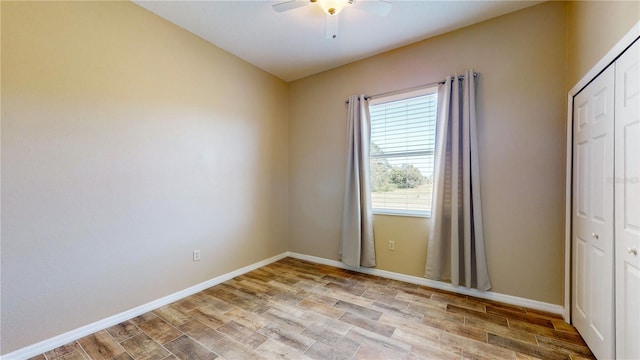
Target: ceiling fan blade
column 378, row 7
column 331, row 26
column 290, row 5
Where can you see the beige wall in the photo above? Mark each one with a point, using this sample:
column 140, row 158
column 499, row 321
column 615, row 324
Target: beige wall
column 594, row 28
column 521, row 58
column 126, row 144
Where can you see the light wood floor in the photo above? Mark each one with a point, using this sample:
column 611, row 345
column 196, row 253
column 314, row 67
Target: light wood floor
column 294, row 309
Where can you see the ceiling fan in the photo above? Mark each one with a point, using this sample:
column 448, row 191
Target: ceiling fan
column 333, row 7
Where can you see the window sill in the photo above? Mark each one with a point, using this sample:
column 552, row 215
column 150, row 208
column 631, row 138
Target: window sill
column 401, row 213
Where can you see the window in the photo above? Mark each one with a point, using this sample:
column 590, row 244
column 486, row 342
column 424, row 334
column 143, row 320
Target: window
column 403, row 131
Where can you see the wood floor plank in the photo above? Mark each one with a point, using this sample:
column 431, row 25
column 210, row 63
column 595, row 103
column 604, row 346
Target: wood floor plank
column 472, row 349
column 420, row 353
column 123, row 331
column 545, row 331
column 290, row 338
column 569, row 348
column 368, row 324
column 348, row 297
column 100, row 346
column 511, row 314
column 377, row 352
column 324, row 309
column 416, row 299
column 221, row 293
column 458, row 329
column 365, row 337
column 172, row 315
column 322, row 334
column 438, row 318
column 81, row 355
column 426, row 345
column 253, row 285
column 274, row 286
column 417, row 328
column 346, row 282
column 186, row 305
column 286, row 280
column 201, row 333
column 185, row 348
column 322, row 351
column 493, row 328
column 345, row 289
column 285, row 307
column 144, row 347
column 390, row 300
column 362, row 311
column 459, row 301
column 401, row 285
column 232, row 350
column 527, row 348
column 160, row 330
column 496, row 304
column 398, row 311
column 126, row 356
column 242, row 334
column 71, row 351
column 143, row 318
column 209, row 316
column 321, row 296
column 285, row 319
column 492, row 318
column 311, row 318
column 542, row 313
column 561, row 325
column 275, row 350
column 63, row 350
column 419, row 292
column 247, row 319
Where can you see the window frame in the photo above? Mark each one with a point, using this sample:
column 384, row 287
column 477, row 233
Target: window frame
column 399, row 96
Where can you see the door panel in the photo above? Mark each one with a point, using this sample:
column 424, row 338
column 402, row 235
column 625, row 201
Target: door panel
column 627, row 330
column 582, row 169
column 600, row 320
column 598, row 176
column 631, row 171
column 593, row 274
column 580, row 272
column 627, row 204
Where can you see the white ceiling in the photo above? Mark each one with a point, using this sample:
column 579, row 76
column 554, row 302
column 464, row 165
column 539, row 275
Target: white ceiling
column 292, row 45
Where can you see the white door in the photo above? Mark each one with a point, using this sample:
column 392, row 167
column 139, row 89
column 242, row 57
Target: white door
column 627, row 204
column 592, row 235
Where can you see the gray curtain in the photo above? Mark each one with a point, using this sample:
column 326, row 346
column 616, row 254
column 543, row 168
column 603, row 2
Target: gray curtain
column 357, row 246
column 455, row 250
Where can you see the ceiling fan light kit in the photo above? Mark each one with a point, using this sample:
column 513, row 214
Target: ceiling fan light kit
column 333, row 7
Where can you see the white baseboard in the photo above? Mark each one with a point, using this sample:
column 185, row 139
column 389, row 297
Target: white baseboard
column 488, row 295
column 73, row 335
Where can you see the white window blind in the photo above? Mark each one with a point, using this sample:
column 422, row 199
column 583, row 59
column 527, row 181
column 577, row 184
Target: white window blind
column 402, row 148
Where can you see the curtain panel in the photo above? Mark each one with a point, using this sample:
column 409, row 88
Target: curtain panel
column 357, row 242
column 455, row 250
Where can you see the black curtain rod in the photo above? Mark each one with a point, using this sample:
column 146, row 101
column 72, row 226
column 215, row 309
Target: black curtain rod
column 411, row 88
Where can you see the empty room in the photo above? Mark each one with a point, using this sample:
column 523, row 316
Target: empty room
column 320, row 179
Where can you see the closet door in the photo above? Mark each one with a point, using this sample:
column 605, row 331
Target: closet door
column 592, row 297
column 627, row 204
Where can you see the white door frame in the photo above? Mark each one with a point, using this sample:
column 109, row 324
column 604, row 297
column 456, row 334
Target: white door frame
column 616, row 51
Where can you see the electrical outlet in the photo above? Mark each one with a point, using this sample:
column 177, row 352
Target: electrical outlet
column 392, row 245
column 196, row 255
